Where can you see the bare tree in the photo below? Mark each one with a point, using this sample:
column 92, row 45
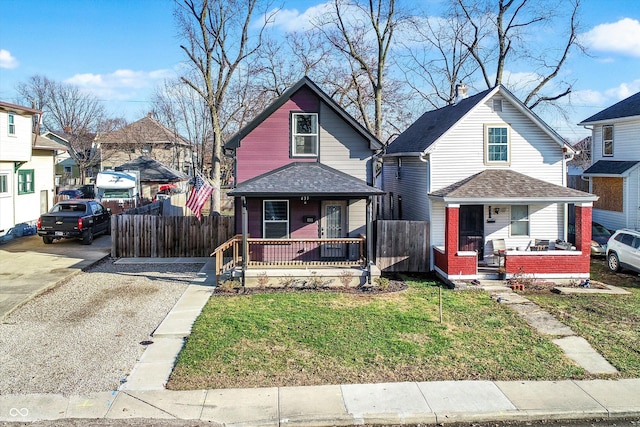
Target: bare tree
column 217, row 44
column 503, row 32
column 435, row 54
column 363, row 32
column 78, row 116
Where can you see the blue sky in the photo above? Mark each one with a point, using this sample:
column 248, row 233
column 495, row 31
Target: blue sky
column 120, row 49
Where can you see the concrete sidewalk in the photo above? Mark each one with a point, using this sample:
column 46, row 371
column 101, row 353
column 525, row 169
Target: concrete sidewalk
column 352, row 404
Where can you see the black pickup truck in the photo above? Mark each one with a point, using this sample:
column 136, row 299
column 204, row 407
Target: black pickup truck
column 69, row 219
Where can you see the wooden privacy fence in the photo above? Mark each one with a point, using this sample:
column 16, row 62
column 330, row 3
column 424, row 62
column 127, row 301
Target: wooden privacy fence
column 168, row 236
column 402, row 246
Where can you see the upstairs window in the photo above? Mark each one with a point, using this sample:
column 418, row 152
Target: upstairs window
column 304, row 134
column 607, row 140
column 497, row 144
column 11, row 117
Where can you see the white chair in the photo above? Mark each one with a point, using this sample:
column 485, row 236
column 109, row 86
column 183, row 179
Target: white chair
column 499, row 249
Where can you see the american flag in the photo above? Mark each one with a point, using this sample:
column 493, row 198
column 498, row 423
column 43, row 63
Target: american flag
column 199, row 195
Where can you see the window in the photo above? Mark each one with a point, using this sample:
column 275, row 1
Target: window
column 497, row 149
column 12, row 123
column 607, row 140
column 519, row 220
column 275, row 219
column 497, row 105
column 4, row 184
column 25, row 181
column 304, row 134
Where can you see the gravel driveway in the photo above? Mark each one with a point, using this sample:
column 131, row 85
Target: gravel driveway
column 84, row 335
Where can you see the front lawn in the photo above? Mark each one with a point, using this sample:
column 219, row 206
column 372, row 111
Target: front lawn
column 311, row 338
column 611, row 323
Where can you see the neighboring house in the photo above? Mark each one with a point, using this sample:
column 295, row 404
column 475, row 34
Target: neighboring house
column 489, row 176
column 303, row 186
column 153, row 175
column 67, row 171
column 146, row 137
column 26, row 167
column 615, row 171
column 578, row 164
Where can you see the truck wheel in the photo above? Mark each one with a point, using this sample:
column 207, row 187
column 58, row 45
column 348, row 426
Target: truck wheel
column 47, row 240
column 87, row 238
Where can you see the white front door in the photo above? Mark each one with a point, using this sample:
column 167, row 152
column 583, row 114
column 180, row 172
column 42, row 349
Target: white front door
column 333, row 226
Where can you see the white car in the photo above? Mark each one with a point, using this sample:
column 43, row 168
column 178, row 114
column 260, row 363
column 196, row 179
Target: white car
column 623, row 250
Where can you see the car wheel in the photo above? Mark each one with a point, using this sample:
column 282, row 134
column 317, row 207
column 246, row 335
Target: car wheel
column 87, row 238
column 47, row 240
column 613, row 262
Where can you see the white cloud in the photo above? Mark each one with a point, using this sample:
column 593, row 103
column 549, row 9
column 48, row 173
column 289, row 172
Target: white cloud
column 292, row 20
column 624, row 90
column 622, row 37
column 7, row 60
column 121, row 84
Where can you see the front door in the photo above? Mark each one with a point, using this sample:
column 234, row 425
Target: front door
column 471, row 229
column 333, row 226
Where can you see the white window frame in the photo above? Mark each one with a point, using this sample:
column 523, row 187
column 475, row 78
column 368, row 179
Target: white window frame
column 266, row 221
column 524, row 220
column 5, row 189
column 294, row 135
column 487, row 144
column 605, row 152
column 11, row 123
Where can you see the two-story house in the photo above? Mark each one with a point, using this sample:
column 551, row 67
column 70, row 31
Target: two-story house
column 145, row 137
column 615, row 171
column 26, row 167
column 304, row 187
column 489, row 176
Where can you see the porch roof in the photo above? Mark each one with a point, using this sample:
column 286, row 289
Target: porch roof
column 610, row 168
column 305, row 178
column 507, row 186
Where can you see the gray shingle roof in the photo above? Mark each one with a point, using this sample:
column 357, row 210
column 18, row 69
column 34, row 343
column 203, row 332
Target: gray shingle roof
column 505, row 185
column 304, row 178
column 610, row 167
column 432, row 125
column 628, row 107
column 152, row 170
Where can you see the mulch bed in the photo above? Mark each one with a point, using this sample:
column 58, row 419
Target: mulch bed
column 394, row 286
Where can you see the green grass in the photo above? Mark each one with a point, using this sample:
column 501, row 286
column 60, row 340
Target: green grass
column 611, row 323
column 305, row 338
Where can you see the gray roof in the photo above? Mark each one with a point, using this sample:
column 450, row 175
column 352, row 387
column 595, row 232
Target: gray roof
column 234, row 141
column 508, row 186
column 628, row 107
column 432, row 125
column 305, row 178
column 610, row 167
column 152, row 170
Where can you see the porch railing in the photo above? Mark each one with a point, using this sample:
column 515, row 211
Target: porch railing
column 283, row 253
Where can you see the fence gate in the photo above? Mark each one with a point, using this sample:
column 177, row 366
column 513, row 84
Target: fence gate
column 402, row 246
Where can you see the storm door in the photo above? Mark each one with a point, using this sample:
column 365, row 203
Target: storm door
column 471, row 229
column 333, row 226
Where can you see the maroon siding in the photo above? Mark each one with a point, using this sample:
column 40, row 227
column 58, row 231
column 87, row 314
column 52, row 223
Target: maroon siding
column 267, row 147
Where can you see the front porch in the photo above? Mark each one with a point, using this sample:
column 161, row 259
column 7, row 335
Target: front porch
column 300, row 263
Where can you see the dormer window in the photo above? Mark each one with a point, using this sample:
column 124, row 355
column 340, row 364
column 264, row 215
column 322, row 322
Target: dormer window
column 304, row 134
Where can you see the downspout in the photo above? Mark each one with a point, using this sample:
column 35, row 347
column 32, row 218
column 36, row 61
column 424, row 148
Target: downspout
column 245, row 245
column 369, row 239
column 425, row 157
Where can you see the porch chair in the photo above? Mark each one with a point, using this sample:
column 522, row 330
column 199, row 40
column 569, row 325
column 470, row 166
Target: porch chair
column 499, row 249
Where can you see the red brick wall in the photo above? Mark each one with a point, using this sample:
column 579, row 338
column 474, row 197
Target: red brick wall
column 456, row 264
column 541, row 263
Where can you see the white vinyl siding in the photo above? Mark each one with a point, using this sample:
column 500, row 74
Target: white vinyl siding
column 17, row 146
column 625, row 137
column 342, row 148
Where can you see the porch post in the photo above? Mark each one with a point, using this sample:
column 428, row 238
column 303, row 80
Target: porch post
column 369, row 242
column 245, row 231
column 583, row 233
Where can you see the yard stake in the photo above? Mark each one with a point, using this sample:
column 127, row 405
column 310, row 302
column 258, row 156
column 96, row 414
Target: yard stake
column 440, row 297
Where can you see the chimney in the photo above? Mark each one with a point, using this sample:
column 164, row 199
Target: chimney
column 150, row 114
column 461, row 92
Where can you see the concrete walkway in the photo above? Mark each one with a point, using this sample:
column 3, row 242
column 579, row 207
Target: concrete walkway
column 576, row 348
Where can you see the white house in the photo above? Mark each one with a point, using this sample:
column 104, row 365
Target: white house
column 615, row 171
column 488, row 174
column 26, row 167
